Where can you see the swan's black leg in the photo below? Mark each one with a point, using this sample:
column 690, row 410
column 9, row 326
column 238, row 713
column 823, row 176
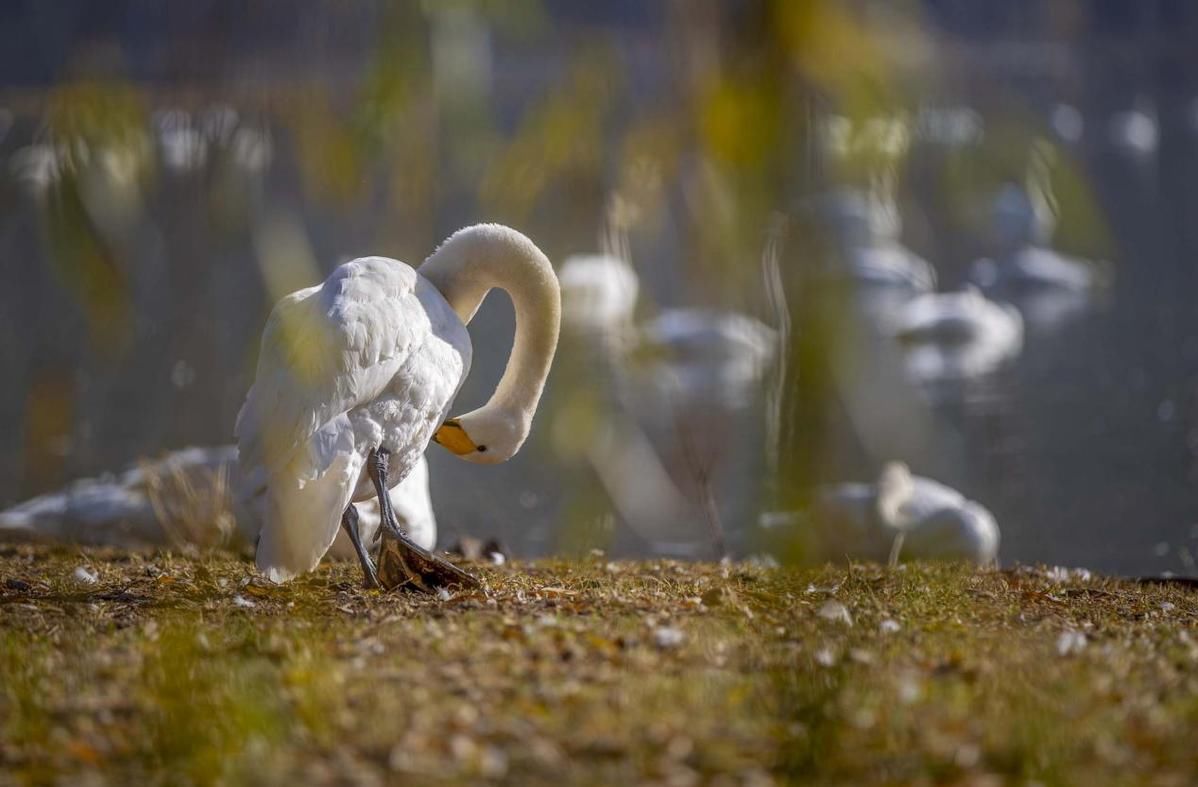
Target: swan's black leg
column 413, row 564
column 380, row 460
column 349, row 521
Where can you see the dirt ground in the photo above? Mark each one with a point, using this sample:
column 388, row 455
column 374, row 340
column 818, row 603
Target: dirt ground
column 163, row 669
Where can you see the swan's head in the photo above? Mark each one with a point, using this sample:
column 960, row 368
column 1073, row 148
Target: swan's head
column 486, row 436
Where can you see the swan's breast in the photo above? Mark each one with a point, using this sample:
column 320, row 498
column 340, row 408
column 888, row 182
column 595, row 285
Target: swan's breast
column 417, row 400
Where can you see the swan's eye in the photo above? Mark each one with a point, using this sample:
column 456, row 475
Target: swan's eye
column 482, row 449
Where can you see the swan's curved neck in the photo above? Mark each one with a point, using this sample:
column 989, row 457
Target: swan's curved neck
column 472, row 262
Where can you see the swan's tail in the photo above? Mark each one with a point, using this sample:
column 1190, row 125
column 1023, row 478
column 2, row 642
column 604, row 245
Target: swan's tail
column 301, row 519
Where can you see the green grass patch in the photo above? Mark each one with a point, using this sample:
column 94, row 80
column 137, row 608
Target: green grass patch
column 174, row 670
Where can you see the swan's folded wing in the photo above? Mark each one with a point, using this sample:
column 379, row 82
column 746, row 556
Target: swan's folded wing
column 326, row 350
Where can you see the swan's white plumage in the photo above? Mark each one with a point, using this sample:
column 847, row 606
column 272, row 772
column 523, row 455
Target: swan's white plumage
column 372, row 359
column 372, row 356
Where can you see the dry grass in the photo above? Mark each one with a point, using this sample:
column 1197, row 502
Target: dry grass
column 192, row 504
column 189, row 670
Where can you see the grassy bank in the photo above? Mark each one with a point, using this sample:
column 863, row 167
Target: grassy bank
column 165, row 669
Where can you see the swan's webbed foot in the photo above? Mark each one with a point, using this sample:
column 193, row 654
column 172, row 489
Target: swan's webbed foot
column 349, row 521
column 401, row 561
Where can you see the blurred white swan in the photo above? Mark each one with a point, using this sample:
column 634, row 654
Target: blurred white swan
column 901, row 516
column 1048, row 287
column 868, row 231
column 702, row 356
column 956, row 336
column 185, row 498
column 188, row 141
column 182, row 144
column 599, row 293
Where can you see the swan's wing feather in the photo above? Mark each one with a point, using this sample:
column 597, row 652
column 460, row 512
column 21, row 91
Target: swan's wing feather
column 326, row 350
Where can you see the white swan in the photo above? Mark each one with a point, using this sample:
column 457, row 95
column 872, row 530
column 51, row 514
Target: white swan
column 704, row 357
column 599, row 293
column 120, row 510
column 356, row 375
column 1048, row 287
column 899, row 516
column 184, row 497
column 868, row 229
column 932, row 521
column 958, row 335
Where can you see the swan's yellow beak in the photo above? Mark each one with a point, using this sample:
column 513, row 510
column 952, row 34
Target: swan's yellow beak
column 454, row 437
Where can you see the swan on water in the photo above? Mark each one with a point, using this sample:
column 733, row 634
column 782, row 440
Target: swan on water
column 958, row 335
column 702, row 356
column 356, row 376
column 868, row 232
column 900, row 516
column 599, row 293
column 184, row 498
column 1047, row 286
